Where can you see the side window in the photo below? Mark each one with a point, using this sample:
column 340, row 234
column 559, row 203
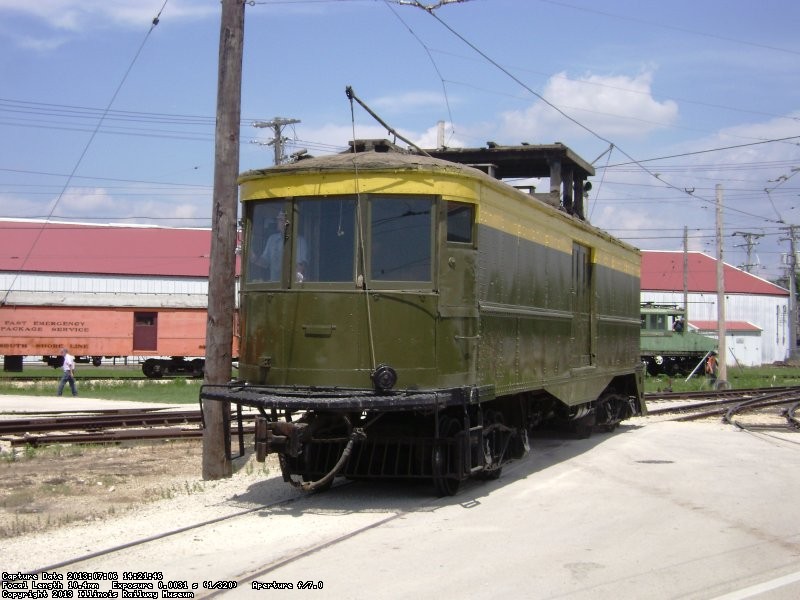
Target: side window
column 460, row 220
column 401, row 238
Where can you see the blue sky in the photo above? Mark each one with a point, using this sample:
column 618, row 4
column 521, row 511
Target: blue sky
column 698, row 92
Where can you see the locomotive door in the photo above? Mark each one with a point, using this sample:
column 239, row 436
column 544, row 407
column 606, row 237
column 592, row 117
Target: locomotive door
column 581, row 306
column 458, row 294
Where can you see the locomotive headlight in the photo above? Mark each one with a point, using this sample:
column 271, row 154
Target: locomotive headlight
column 384, row 378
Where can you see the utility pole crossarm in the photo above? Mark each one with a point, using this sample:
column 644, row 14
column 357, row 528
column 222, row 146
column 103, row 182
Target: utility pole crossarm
column 277, row 125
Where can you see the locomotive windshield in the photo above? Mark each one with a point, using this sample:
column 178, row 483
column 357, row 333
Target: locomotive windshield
column 401, row 235
column 315, row 240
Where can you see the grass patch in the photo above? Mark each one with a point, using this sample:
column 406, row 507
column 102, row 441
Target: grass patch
column 168, row 391
column 738, row 378
column 129, row 371
column 181, row 390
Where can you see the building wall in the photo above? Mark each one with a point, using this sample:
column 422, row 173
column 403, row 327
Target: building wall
column 43, row 289
column 744, row 347
column 769, row 313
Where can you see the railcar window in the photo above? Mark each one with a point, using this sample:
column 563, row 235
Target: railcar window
column 328, row 225
column 460, row 217
column 268, row 238
column 658, row 322
column 401, row 235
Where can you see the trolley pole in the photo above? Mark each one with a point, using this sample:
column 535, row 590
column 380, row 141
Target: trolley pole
column 222, row 266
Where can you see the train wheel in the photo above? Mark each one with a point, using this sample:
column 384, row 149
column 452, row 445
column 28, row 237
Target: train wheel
column 520, row 445
column 494, row 443
column 151, row 368
column 446, row 457
column 610, row 411
column 198, row 366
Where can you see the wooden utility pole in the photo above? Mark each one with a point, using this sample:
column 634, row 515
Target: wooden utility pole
column 277, row 124
column 222, row 268
column 685, row 278
column 792, row 293
column 722, row 377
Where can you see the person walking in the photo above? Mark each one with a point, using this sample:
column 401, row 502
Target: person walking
column 69, row 373
column 711, row 368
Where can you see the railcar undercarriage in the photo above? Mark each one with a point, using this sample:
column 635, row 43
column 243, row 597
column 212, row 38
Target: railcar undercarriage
column 445, row 436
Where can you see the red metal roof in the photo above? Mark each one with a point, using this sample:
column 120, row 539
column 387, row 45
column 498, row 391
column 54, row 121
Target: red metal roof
column 36, row 246
column 662, row 271
column 731, row 326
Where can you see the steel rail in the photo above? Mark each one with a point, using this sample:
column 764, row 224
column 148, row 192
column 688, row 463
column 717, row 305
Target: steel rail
column 160, row 536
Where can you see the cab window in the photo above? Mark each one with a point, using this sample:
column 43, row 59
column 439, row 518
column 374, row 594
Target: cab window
column 401, row 239
column 460, row 219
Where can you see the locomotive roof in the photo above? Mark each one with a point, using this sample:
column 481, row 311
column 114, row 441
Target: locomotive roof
column 525, row 161
column 371, row 158
column 490, row 164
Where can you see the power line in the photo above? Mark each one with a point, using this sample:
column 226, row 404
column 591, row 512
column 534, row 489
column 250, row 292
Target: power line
column 86, row 146
column 706, row 151
column 613, row 87
column 432, row 12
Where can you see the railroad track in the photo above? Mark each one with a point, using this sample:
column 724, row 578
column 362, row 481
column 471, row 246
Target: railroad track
column 114, row 425
column 756, row 408
column 752, row 409
column 287, row 500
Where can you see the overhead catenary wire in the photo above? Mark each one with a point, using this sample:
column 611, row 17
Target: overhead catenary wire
column 86, row 147
column 431, row 11
column 433, row 62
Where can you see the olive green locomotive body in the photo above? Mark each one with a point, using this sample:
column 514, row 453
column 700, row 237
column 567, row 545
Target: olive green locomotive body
column 415, row 317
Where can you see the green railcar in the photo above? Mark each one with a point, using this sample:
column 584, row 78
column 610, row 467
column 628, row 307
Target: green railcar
column 668, row 346
column 410, row 316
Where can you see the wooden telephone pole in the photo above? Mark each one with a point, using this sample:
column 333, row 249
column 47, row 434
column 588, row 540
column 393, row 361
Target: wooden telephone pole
column 722, row 376
column 222, row 268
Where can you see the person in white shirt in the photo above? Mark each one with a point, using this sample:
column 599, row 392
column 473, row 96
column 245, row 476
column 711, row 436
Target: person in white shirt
column 69, row 373
column 272, row 256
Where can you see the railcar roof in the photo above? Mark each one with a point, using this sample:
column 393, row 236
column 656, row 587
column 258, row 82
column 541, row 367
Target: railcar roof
column 367, row 160
column 501, row 162
column 522, row 161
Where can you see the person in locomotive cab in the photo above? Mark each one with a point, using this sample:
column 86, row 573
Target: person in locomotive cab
column 272, row 256
column 711, row 368
column 677, row 326
column 68, row 375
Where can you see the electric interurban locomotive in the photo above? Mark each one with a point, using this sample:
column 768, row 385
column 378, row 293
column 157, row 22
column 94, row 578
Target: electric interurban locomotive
column 411, row 315
column 668, row 346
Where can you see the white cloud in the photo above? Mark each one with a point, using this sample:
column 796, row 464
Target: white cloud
column 85, row 202
column 614, row 106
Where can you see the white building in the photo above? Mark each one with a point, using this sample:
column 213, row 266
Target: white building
column 756, row 311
